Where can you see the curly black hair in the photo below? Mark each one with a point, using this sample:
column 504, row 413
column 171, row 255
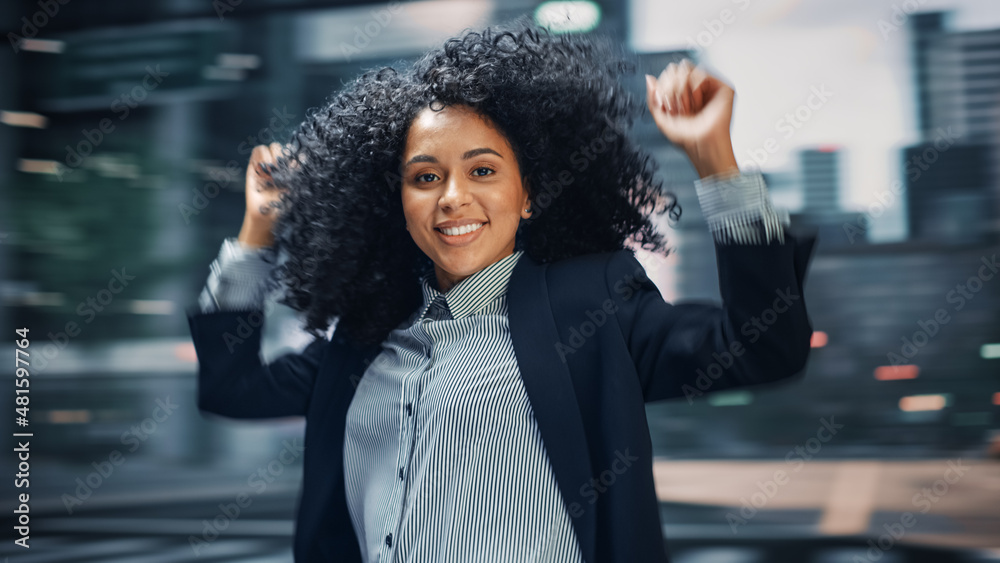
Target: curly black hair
column 559, row 100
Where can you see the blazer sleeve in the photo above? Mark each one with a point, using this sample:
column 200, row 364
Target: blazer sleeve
column 234, row 381
column 761, row 333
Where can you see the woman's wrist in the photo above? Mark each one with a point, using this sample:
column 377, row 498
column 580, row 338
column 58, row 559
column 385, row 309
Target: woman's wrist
column 713, row 158
column 255, row 236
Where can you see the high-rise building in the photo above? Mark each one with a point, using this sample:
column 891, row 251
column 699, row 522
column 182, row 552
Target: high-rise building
column 948, row 197
column 820, row 180
column 953, row 174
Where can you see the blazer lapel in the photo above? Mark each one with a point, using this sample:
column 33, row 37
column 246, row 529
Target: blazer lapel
column 550, row 390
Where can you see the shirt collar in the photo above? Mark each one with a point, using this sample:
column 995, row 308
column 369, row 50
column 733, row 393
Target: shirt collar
column 474, row 292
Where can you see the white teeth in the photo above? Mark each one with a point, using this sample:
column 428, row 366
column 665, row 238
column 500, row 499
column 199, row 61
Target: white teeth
column 461, row 230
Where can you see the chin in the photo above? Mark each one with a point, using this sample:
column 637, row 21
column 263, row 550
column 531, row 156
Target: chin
column 461, row 261
column 461, row 266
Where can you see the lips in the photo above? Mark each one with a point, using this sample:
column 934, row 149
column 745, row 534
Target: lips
column 458, row 231
column 466, row 237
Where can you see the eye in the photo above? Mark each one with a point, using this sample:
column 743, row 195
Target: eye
column 481, row 168
column 419, row 176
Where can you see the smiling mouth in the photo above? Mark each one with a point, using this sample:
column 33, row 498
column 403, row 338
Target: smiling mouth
column 458, row 231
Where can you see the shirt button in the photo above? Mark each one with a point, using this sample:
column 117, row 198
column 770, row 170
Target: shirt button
column 409, row 408
column 388, row 540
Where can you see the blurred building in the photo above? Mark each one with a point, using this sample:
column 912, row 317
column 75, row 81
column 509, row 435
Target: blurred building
column 951, row 198
column 820, row 182
column 953, row 174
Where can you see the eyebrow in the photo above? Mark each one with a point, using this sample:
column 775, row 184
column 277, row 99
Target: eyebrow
column 465, row 156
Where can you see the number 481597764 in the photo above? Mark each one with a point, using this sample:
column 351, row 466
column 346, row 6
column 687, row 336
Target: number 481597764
column 21, row 382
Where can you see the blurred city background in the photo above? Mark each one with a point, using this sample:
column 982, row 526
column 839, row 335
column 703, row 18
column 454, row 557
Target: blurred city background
column 125, row 129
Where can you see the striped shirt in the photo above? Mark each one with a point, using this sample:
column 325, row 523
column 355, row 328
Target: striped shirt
column 443, row 459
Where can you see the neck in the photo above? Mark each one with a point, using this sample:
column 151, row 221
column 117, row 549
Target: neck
column 446, row 281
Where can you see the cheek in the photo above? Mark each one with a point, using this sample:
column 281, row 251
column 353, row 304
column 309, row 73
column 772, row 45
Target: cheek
column 512, row 206
column 413, row 207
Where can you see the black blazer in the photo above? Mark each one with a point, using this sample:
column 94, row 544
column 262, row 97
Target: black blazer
column 594, row 341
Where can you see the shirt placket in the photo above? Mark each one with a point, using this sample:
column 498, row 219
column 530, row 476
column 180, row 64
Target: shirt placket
column 412, row 385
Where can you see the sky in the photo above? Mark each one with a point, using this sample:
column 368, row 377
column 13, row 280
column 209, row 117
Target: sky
column 775, row 53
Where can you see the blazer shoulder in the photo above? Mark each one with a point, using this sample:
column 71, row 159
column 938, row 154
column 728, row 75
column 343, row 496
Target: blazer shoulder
column 584, row 282
column 592, row 262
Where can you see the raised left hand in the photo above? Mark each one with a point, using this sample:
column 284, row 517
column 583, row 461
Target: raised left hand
column 694, row 109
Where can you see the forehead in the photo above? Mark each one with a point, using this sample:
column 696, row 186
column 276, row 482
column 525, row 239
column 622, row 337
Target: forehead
column 454, row 126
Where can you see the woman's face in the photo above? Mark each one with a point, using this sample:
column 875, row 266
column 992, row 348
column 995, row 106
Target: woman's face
column 459, row 172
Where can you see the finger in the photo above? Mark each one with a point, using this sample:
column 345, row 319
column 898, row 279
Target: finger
column 654, row 99
column 684, row 86
column 652, row 96
column 295, row 158
column 257, row 153
column 277, row 151
column 262, row 161
column 695, row 82
column 272, row 152
column 667, row 83
column 257, row 156
column 717, row 92
column 699, row 88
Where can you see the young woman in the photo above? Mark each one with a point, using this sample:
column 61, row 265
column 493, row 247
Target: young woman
column 466, row 222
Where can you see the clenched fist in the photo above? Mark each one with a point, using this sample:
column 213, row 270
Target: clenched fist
column 693, row 109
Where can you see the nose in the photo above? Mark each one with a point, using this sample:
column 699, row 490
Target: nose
column 456, row 193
